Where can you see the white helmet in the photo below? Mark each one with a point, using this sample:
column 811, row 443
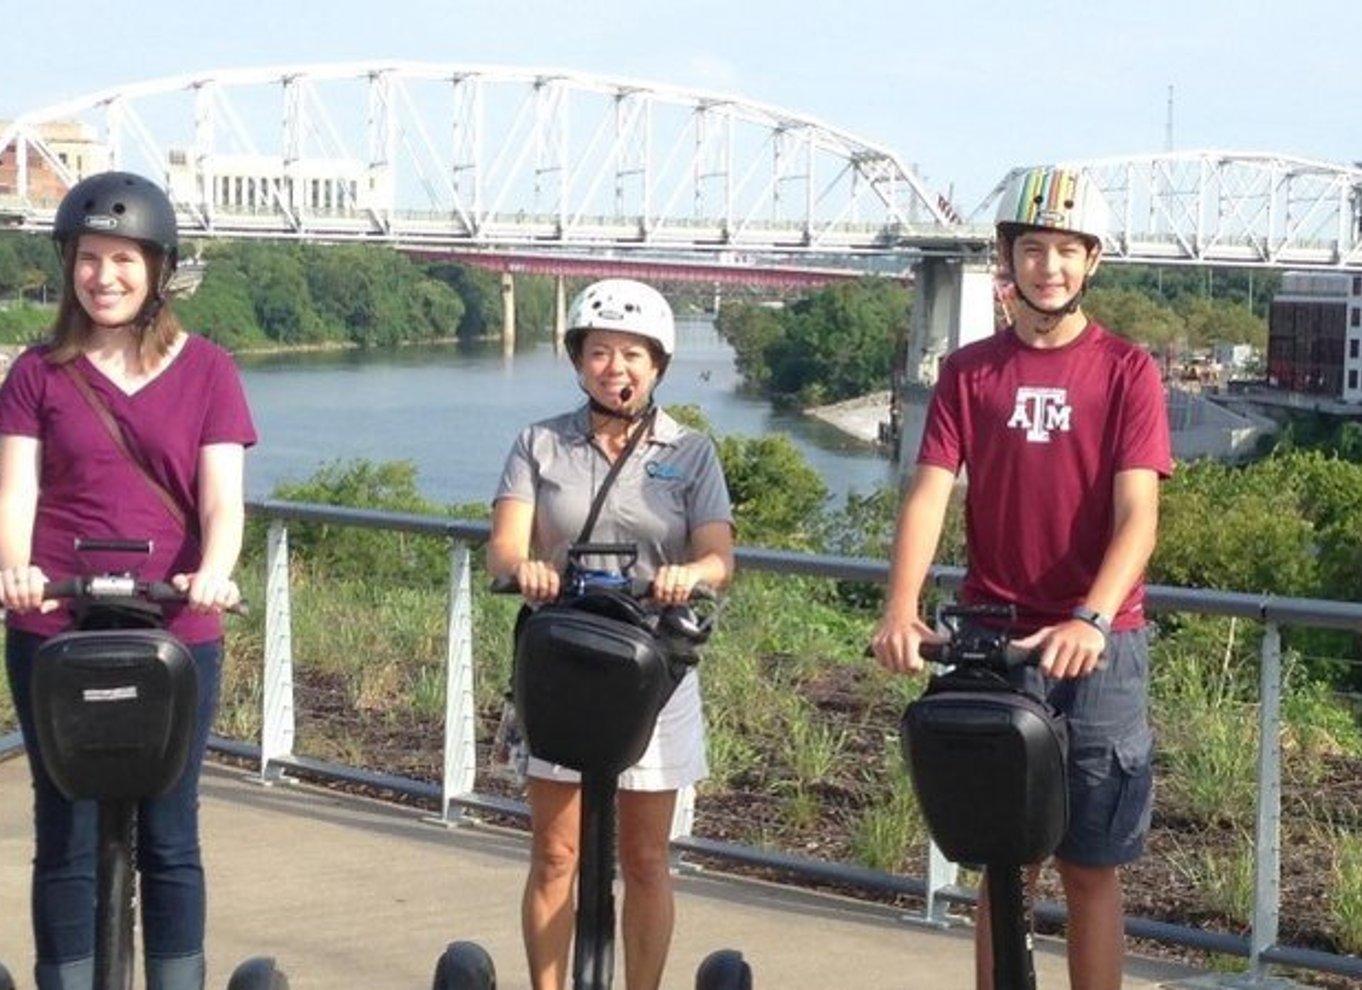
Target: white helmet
column 1052, row 198
column 626, row 306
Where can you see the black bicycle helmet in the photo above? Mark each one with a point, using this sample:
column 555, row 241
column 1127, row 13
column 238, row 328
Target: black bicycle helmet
column 124, row 205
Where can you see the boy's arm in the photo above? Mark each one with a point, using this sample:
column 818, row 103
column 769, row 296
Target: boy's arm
column 1073, row 648
column 1134, row 531
column 921, row 517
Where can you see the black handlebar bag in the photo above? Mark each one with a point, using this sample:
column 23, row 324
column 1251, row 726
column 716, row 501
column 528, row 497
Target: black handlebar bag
column 591, row 676
column 988, row 764
column 114, row 710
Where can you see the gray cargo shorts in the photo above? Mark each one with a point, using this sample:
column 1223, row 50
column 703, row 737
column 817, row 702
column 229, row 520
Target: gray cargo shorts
column 1111, row 746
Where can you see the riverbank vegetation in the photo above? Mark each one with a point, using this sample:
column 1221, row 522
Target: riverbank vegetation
column 842, row 341
column 272, row 294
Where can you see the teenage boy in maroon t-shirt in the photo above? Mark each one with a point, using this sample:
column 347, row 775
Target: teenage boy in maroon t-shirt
column 1062, row 432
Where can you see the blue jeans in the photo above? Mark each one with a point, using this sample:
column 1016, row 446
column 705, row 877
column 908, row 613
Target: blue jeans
column 172, row 893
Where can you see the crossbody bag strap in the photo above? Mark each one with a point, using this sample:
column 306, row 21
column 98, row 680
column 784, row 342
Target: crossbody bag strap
column 106, row 417
column 596, row 504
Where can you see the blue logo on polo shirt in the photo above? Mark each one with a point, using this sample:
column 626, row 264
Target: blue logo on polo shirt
column 667, row 472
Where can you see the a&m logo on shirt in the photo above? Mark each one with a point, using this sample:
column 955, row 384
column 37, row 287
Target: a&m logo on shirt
column 1039, row 411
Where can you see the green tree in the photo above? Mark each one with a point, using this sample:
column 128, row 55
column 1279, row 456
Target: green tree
column 381, row 559
column 280, row 295
column 1211, row 321
column 835, row 344
column 839, row 343
column 479, row 294
column 221, row 308
column 1139, row 317
column 751, row 331
column 776, row 495
column 11, row 268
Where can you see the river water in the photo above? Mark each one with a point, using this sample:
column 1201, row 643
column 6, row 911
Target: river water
column 454, row 411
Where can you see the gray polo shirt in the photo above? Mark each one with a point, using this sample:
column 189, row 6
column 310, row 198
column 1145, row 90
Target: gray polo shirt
column 671, row 484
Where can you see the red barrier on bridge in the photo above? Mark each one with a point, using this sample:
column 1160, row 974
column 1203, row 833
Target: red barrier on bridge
column 647, row 270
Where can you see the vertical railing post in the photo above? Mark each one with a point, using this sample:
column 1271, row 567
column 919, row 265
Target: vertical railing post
column 683, row 815
column 277, row 726
column 941, row 873
column 460, row 754
column 1267, row 828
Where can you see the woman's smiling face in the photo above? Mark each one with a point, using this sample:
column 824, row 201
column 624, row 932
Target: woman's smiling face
column 617, row 369
column 110, row 279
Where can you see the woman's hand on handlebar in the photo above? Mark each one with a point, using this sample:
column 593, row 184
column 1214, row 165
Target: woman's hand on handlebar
column 896, row 644
column 206, row 591
column 21, row 590
column 1070, row 649
column 538, row 581
column 674, row 583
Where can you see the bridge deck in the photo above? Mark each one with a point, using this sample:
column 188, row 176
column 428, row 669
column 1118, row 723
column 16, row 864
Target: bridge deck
column 353, row 893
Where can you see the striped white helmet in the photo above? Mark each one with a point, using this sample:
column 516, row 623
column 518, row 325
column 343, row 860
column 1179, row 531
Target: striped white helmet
column 1052, row 198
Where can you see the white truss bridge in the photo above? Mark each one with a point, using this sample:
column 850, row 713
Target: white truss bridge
column 544, row 160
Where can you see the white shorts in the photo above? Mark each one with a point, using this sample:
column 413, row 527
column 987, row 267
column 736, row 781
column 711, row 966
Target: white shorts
column 675, row 757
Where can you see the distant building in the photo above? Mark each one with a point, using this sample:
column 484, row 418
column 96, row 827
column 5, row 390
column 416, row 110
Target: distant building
column 1314, row 342
column 72, row 142
column 1234, row 358
column 258, row 184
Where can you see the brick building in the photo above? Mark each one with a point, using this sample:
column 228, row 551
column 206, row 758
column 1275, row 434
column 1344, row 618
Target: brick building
column 73, row 143
column 1314, row 342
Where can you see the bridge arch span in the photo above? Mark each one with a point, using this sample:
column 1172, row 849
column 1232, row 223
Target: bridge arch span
column 474, row 155
column 1218, row 207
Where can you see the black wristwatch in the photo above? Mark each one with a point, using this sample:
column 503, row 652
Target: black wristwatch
column 1093, row 618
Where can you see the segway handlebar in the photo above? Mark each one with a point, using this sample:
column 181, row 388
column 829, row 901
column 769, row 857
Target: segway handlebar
column 635, row 587
column 103, row 587
column 994, row 654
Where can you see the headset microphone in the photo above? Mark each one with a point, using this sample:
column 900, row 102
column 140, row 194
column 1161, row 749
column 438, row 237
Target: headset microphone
column 626, row 394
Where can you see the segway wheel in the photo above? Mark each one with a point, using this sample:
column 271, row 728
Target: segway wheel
column 465, row 966
column 258, row 973
column 724, row 969
column 6, row 981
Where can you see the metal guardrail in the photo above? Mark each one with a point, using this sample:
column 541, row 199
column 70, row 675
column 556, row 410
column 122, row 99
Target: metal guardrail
column 457, row 796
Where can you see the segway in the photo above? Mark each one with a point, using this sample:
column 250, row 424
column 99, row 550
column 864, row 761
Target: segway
column 988, row 764
column 114, row 710
column 592, row 672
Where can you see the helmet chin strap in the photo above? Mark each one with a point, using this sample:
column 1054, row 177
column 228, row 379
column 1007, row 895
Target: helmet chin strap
column 1055, row 313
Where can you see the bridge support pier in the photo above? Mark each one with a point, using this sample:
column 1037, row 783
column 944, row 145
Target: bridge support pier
column 507, row 313
column 952, row 306
column 559, row 313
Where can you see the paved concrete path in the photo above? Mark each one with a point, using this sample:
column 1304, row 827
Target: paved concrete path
column 353, row 893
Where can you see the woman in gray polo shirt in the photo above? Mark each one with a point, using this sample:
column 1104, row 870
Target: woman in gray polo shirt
column 669, row 499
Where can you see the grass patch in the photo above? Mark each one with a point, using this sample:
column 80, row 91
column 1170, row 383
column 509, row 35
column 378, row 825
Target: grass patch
column 1346, row 890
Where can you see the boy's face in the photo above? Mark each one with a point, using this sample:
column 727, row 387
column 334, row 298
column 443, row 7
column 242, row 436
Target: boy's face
column 1049, row 266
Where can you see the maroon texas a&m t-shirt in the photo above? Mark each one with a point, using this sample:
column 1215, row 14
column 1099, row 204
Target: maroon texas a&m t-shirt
column 1041, row 435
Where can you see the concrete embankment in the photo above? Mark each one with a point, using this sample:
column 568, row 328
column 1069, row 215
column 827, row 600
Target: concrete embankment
column 1201, row 427
column 859, row 417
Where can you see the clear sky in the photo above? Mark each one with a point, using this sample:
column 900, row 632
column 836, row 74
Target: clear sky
column 963, row 89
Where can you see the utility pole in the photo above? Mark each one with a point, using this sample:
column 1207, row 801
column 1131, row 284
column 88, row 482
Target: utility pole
column 1168, row 122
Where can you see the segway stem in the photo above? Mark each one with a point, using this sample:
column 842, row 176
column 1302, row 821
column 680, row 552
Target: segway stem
column 1010, row 928
column 593, row 961
column 114, row 879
